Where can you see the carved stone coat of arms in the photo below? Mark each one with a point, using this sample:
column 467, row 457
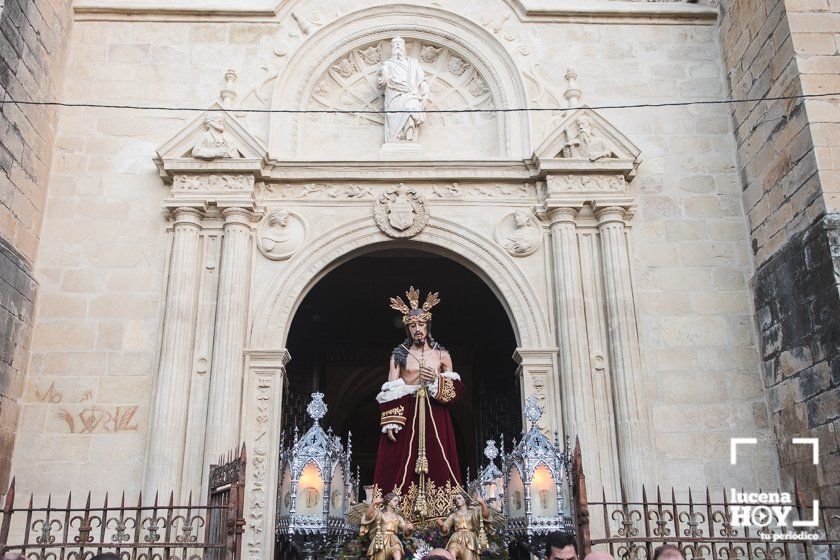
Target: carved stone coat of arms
column 401, row 212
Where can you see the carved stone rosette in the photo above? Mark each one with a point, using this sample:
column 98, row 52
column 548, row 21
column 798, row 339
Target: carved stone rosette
column 401, row 212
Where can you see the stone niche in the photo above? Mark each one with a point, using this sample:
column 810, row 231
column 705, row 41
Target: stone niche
column 337, row 69
column 349, row 83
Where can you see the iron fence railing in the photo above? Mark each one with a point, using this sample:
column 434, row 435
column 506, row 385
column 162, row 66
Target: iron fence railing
column 138, row 529
column 701, row 526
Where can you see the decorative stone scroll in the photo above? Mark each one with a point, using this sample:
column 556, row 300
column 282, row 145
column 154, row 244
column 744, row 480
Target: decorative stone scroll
column 213, row 183
column 558, row 184
column 401, row 212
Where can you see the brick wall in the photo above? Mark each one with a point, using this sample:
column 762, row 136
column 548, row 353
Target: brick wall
column 786, row 163
column 33, row 37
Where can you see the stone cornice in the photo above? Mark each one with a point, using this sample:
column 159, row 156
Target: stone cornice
column 593, row 11
column 374, row 170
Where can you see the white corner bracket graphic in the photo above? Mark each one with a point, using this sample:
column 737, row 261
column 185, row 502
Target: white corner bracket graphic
column 812, row 441
column 733, row 447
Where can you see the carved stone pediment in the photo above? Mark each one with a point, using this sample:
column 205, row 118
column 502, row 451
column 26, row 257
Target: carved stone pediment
column 586, row 142
column 215, row 141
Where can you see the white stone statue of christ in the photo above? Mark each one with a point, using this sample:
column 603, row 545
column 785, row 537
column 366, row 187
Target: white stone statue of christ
column 406, row 90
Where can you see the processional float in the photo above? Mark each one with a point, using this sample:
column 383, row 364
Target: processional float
column 317, row 499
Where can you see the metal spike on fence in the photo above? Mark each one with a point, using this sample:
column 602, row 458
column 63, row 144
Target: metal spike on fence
column 69, row 499
column 658, row 495
column 140, row 499
column 30, row 500
column 10, row 497
column 122, row 500
column 621, row 488
column 87, row 502
column 189, row 500
column 106, row 501
column 49, row 501
column 243, row 455
column 156, row 498
column 644, row 494
column 171, row 498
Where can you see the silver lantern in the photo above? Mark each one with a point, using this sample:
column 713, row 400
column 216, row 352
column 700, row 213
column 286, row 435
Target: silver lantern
column 315, row 488
column 538, row 487
column 490, row 482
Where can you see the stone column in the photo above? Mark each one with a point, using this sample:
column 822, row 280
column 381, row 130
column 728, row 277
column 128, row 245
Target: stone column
column 225, row 403
column 537, row 374
column 262, row 412
column 630, row 404
column 164, row 457
column 576, row 390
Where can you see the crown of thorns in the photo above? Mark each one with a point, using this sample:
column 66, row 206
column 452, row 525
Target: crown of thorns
column 415, row 313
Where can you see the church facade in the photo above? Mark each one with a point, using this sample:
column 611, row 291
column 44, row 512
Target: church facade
column 623, row 243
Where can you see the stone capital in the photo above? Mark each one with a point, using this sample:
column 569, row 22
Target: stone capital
column 237, row 215
column 611, row 212
column 186, row 216
column 563, row 214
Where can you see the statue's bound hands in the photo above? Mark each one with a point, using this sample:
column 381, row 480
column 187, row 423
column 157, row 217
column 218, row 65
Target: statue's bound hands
column 427, row 374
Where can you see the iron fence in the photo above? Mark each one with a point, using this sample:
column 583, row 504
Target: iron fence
column 134, row 530
column 701, row 526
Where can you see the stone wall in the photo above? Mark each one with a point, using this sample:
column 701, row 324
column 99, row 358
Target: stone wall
column 103, row 266
column 33, row 36
column 787, row 165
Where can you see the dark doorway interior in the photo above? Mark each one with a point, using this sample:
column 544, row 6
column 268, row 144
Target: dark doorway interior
column 343, row 333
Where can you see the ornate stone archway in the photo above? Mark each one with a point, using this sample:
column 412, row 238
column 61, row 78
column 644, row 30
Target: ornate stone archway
column 266, row 356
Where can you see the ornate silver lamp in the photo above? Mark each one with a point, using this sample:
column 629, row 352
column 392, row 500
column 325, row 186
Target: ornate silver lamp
column 315, row 488
column 490, row 482
column 537, row 485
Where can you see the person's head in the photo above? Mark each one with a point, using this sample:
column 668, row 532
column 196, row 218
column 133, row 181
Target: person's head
column 417, row 329
column 439, row 554
column 597, row 555
column 106, row 556
column 278, row 218
column 668, row 552
column 521, row 218
column 461, row 499
column 392, row 500
column 561, row 546
column 398, row 47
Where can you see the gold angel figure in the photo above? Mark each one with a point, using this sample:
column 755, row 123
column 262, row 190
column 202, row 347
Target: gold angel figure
column 384, row 525
column 469, row 538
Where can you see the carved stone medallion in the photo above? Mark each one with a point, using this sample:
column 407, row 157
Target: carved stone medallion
column 401, row 212
column 280, row 234
column 519, row 233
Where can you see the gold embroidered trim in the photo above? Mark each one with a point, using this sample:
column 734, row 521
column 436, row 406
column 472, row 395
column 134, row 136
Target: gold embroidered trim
column 446, row 389
column 394, row 415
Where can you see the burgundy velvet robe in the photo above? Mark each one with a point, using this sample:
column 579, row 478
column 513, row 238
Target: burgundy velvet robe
column 395, row 461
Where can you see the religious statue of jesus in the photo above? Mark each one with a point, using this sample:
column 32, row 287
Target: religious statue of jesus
column 406, row 90
column 417, row 458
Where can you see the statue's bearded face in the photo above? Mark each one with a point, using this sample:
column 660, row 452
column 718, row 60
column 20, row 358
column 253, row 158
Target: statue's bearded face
column 418, row 331
column 398, row 49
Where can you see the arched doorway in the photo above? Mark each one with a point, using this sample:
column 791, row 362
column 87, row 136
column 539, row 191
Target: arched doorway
column 343, row 332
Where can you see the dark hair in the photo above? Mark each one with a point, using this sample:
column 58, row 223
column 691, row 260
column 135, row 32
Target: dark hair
column 667, row 549
column 106, row 556
column 559, row 540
